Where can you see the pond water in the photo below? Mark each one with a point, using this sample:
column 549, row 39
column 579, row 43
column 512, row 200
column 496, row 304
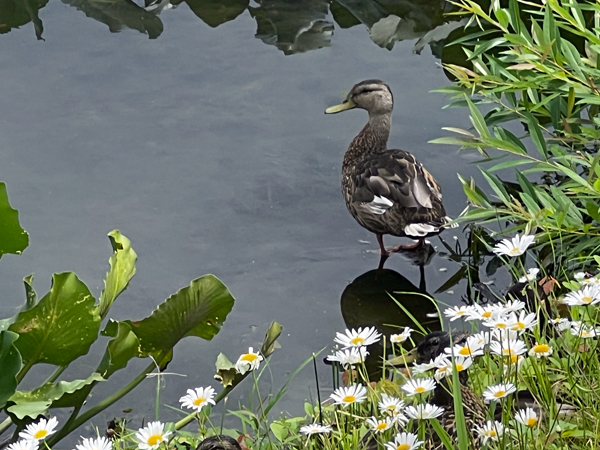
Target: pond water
column 207, row 146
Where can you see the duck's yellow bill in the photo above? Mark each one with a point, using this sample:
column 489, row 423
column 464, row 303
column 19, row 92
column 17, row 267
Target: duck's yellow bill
column 405, row 359
column 348, row 104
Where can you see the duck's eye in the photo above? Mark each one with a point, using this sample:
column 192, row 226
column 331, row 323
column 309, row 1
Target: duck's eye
column 435, row 341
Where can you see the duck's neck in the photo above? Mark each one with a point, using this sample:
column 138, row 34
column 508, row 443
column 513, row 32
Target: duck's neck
column 372, row 138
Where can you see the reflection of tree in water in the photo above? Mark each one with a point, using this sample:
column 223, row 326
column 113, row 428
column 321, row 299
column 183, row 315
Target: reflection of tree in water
column 367, row 302
column 293, row 26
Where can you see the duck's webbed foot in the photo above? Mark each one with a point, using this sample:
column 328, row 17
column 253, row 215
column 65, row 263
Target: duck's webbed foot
column 388, row 251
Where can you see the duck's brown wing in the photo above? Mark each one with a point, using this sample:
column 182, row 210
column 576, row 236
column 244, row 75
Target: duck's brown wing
column 394, row 182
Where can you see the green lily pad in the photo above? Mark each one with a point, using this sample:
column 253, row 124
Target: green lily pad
column 10, row 362
column 13, row 238
column 61, row 327
column 197, row 310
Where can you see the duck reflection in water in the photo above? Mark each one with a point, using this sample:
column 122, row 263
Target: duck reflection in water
column 373, row 299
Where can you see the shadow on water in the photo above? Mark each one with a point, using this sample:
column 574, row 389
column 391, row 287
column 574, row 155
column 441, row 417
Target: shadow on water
column 386, row 299
column 293, row 26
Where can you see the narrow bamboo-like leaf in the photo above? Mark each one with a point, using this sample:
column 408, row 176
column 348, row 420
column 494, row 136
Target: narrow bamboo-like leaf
column 509, row 164
column 536, row 134
column 496, row 186
column 477, row 119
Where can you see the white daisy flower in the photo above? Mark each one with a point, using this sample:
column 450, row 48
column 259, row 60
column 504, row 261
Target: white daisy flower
column 357, row 338
column 422, row 368
column 472, row 347
column 100, row 443
column 40, row 430
column 490, row 431
column 503, row 334
column 24, row 444
column 499, row 322
column 579, row 276
column 248, row 361
column 400, row 338
column 527, row 417
column 348, row 395
column 457, row 312
column 589, row 295
column 151, row 436
column 315, row 428
column 561, row 323
column 418, row 386
column 380, row 425
column 349, row 356
column 511, row 306
column 479, row 312
column 584, row 331
column 508, row 348
column 523, row 322
column 498, row 391
column 198, row 398
column 515, row 246
column 423, row 411
column 531, row 275
column 404, row 441
column 590, row 281
column 540, row 350
column 390, row 405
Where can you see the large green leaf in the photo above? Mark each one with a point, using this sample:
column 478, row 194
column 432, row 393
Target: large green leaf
column 13, row 238
column 197, row 310
column 10, row 363
column 119, row 350
column 56, row 395
column 62, row 326
column 122, row 270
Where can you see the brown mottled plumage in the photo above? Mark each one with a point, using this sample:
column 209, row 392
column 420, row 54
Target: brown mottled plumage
column 386, row 191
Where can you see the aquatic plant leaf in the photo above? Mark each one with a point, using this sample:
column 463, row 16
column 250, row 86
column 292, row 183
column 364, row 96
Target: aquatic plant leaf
column 50, row 395
column 225, row 371
column 13, row 238
column 30, row 295
column 61, row 327
column 197, row 310
column 11, row 363
column 119, row 350
column 122, row 269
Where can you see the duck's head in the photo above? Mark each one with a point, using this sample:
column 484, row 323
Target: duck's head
column 431, row 346
column 373, row 95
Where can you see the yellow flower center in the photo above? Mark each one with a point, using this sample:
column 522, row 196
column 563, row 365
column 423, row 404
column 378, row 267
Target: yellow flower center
column 499, row 394
column 541, row 348
column 492, row 433
column 250, row 357
column 500, row 325
column 531, row 422
column 357, row 340
column 403, row 447
column 155, row 439
column 507, row 352
column 519, row 325
column 487, row 314
column 419, row 389
column 349, row 399
column 465, row 351
column 586, row 300
column 198, row 401
column 381, row 426
column 512, row 358
column 40, row 434
column 459, row 367
column 515, row 250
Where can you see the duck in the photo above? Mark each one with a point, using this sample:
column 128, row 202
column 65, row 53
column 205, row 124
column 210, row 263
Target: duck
column 387, row 191
column 430, row 347
column 219, row 442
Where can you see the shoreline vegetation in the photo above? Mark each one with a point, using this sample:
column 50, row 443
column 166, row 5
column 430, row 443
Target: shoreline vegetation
column 520, row 371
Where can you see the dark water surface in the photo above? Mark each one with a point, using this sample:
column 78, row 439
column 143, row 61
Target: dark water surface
column 209, row 149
